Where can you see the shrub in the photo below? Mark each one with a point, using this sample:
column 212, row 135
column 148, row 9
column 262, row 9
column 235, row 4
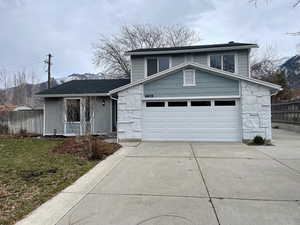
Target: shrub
column 23, row 132
column 91, row 148
column 99, row 149
column 258, row 140
column 3, row 129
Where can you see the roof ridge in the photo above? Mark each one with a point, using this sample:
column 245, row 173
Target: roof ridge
column 229, row 44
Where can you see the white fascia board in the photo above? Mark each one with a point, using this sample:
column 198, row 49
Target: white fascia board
column 191, row 98
column 200, row 67
column 192, row 50
column 71, row 95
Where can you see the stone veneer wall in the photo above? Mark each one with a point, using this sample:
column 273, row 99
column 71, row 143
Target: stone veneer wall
column 256, row 111
column 130, row 113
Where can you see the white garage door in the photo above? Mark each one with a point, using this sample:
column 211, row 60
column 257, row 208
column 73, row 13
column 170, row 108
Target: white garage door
column 209, row 120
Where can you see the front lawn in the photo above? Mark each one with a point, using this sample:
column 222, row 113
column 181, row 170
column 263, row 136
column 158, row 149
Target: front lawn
column 30, row 174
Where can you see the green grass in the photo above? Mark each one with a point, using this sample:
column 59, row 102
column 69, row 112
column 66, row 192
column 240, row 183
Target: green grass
column 30, row 174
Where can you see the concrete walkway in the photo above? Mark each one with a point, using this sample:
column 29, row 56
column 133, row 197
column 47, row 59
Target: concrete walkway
column 185, row 184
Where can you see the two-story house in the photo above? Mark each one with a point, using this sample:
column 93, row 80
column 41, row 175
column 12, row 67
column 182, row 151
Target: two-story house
column 192, row 93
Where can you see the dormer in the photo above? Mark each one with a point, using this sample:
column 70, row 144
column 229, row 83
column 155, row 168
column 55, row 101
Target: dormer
column 231, row 57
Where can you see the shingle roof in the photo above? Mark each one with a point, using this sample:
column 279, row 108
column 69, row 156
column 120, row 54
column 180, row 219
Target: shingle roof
column 85, row 87
column 193, row 47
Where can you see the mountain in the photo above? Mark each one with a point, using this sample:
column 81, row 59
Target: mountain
column 289, row 65
column 291, row 68
column 78, row 76
column 24, row 94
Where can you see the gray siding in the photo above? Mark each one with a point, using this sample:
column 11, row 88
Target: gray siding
column 243, row 63
column 102, row 115
column 206, row 85
column 177, row 59
column 201, row 58
column 54, row 116
column 137, row 68
column 138, row 62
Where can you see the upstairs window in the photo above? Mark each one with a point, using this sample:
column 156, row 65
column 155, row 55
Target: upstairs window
column 189, row 78
column 155, row 65
column 151, row 67
column 228, row 63
column 216, row 61
column 224, row 62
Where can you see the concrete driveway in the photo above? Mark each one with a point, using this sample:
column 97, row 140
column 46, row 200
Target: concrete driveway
column 197, row 184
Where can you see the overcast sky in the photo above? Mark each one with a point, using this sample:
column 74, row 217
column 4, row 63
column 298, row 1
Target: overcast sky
column 30, row 29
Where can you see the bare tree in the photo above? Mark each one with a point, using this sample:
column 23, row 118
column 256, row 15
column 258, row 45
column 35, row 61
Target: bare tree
column 19, row 89
column 266, row 67
column 263, row 62
column 255, row 2
column 4, row 82
column 110, row 52
column 294, row 5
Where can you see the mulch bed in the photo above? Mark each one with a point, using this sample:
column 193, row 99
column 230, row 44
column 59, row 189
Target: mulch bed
column 90, row 148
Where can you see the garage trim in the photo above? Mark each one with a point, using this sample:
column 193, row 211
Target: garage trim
column 191, row 98
column 235, row 137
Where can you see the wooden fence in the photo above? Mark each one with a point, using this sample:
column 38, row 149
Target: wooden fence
column 14, row 122
column 288, row 112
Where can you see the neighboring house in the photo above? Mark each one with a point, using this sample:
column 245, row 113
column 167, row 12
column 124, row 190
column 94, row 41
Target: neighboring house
column 295, row 95
column 8, row 108
column 193, row 93
column 22, row 108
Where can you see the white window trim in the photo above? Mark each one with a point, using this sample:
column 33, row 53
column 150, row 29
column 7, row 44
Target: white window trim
column 222, row 68
column 157, row 64
column 65, row 115
column 194, row 78
column 44, row 118
column 190, row 99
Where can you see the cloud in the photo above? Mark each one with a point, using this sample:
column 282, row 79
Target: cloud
column 31, row 29
column 240, row 21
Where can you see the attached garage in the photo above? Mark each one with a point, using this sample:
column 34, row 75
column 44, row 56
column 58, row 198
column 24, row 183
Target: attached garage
column 191, row 102
column 191, row 120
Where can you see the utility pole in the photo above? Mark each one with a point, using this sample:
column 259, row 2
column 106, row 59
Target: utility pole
column 48, row 62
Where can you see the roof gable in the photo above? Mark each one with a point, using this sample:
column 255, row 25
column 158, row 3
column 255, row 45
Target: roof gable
column 206, row 84
column 199, row 67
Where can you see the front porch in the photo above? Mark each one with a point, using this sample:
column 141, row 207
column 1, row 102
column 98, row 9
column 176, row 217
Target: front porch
column 77, row 116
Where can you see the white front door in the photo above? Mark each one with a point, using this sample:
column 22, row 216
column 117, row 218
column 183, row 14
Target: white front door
column 194, row 120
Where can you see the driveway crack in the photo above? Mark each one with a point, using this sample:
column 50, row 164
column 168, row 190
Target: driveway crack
column 206, row 187
column 278, row 160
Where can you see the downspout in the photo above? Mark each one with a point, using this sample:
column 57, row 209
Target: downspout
column 111, row 97
column 276, row 92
